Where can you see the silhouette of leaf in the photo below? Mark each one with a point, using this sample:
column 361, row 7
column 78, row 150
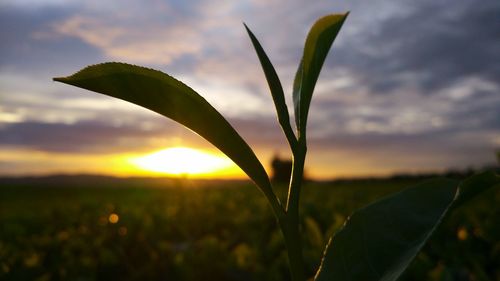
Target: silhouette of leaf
column 169, row 97
column 318, row 43
column 276, row 90
column 379, row 241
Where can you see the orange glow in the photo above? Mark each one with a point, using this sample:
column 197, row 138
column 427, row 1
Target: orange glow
column 184, row 161
column 462, row 233
column 113, row 218
column 123, row 164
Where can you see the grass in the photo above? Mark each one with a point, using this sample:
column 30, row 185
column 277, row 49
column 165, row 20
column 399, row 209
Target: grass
column 209, row 231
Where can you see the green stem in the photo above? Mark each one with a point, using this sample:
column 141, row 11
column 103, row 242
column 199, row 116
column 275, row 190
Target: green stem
column 290, row 230
column 290, row 227
column 299, row 157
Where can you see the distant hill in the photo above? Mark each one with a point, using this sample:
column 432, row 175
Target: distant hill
column 110, row 181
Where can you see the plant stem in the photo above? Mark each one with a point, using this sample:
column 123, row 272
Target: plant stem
column 290, row 230
column 299, row 157
column 290, row 227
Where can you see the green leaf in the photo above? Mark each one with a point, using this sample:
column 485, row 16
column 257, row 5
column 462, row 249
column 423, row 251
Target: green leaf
column 169, row 97
column 379, row 241
column 318, row 43
column 473, row 186
column 276, row 89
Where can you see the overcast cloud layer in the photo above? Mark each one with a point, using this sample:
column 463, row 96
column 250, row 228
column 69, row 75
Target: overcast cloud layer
column 408, row 86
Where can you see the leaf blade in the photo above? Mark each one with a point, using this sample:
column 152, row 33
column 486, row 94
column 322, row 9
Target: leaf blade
column 474, row 185
column 276, row 89
column 171, row 98
column 318, row 42
column 360, row 259
column 413, row 214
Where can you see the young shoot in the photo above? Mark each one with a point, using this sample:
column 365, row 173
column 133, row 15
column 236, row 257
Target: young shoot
column 377, row 242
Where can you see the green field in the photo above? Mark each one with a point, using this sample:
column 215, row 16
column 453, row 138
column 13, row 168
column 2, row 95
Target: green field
column 184, row 230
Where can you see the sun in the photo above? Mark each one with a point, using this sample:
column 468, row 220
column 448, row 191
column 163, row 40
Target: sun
column 183, row 161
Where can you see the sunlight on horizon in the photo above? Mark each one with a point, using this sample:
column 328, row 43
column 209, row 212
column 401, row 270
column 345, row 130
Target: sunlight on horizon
column 181, row 161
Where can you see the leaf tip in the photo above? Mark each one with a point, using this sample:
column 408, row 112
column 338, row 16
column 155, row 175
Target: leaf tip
column 248, row 29
column 58, row 79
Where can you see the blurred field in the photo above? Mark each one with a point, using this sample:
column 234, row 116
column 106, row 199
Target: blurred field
column 137, row 230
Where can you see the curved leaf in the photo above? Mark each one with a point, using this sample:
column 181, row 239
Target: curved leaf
column 318, row 43
column 473, row 186
column 379, row 241
column 276, row 89
column 169, row 97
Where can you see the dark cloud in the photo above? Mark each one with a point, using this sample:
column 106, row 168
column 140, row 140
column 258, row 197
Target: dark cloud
column 425, row 152
column 433, row 45
column 28, row 46
column 102, row 137
column 82, row 137
column 260, row 132
column 477, row 113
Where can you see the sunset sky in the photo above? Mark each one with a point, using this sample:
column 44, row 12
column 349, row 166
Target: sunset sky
column 409, row 86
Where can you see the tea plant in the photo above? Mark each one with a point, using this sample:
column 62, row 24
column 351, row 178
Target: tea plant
column 377, row 242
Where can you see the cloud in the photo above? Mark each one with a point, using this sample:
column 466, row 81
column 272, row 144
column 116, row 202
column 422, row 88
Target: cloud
column 430, row 47
column 28, row 50
column 130, row 135
column 95, row 138
column 135, row 43
column 83, row 137
column 33, row 4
